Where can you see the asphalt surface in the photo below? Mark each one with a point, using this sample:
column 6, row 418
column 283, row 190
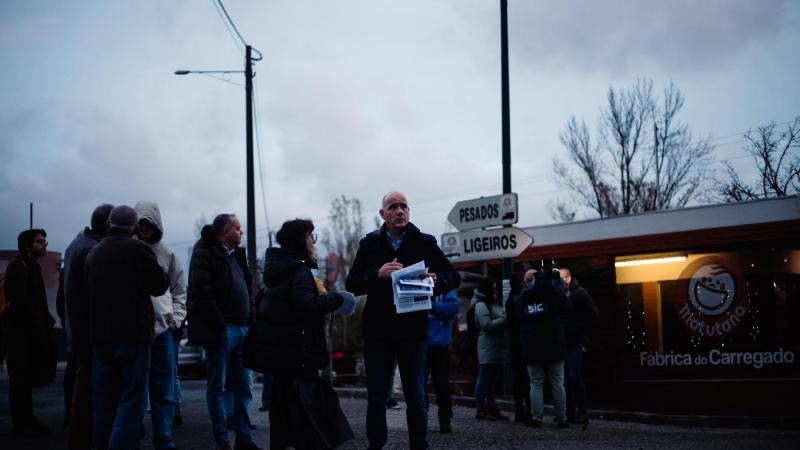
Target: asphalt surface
column 469, row 433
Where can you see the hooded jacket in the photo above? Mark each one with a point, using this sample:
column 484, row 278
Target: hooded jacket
column 381, row 320
column 170, row 308
column 209, row 294
column 439, row 318
column 290, row 337
column 491, row 322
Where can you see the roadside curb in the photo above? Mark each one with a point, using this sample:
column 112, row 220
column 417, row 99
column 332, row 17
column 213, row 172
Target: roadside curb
column 759, row 422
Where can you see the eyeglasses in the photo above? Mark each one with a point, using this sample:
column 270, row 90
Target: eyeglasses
column 313, row 237
column 41, row 241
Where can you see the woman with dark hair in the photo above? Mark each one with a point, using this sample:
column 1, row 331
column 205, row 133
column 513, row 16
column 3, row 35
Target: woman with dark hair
column 490, row 319
column 290, row 344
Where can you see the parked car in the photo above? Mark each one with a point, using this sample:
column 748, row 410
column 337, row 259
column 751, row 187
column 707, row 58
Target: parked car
column 191, row 358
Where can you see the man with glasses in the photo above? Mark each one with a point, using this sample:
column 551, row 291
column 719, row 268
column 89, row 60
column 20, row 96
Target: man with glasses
column 220, row 310
column 389, row 336
column 31, row 345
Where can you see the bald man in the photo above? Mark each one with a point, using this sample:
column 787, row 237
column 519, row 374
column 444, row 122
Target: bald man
column 389, row 336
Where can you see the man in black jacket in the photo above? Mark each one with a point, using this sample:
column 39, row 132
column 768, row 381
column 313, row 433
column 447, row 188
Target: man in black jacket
column 31, row 348
column 388, row 335
column 121, row 275
column 220, row 309
column 577, row 322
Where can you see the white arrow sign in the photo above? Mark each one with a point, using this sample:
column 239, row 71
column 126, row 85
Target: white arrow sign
column 479, row 245
column 485, row 212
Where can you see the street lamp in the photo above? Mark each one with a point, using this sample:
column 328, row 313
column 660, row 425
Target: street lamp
column 251, row 202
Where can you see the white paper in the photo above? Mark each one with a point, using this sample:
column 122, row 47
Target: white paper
column 412, row 289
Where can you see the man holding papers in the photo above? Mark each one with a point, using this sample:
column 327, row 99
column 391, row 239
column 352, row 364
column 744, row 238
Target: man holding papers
column 399, row 268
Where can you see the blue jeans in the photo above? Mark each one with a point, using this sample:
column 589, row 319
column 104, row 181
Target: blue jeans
column 177, row 347
column 576, row 390
column 484, row 385
column 224, row 359
column 162, row 389
column 555, row 373
column 379, row 358
column 119, row 386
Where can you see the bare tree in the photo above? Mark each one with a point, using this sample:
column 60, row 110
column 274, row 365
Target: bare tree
column 345, row 230
column 775, row 154
column 626, row 172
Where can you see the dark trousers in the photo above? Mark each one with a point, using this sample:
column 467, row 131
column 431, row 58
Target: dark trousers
column 80, row 426
column 439, row 370
column 522, row 398
column 576, row 390
column 20, row 399
column 379, row 359
column 69, row 387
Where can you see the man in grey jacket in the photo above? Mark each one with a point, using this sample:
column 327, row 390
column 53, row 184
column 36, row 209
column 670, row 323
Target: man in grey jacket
column 169, row 309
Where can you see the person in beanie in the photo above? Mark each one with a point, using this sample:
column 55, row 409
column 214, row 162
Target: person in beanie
column 122, row 273
column 76, row 325
column 540, row 308
column 29, row 327
column 170, row 310
column 220, row 310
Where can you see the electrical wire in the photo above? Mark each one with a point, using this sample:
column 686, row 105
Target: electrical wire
column 260, row 157
column 233, row 25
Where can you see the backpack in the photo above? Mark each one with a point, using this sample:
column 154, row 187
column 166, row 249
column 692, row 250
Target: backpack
column 472, row 327
column 3, row 298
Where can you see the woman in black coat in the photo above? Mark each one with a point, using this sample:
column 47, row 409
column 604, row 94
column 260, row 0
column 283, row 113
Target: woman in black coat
column 290, row 344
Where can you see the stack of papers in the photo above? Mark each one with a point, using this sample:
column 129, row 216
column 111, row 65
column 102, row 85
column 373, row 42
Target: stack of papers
column 412, row 288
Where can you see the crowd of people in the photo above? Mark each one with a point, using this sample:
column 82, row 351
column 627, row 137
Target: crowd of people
column 124, row 303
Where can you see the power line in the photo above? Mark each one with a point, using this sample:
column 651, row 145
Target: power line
column 232, row 25
column 228, row 27
column 260, row 157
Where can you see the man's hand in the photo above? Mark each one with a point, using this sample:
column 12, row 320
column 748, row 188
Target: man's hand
column 386, row 270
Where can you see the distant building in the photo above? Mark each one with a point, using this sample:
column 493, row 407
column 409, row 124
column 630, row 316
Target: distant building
column 699, row 308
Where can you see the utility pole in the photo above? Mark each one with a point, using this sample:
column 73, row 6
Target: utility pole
column 507, row 264
column 251, row 198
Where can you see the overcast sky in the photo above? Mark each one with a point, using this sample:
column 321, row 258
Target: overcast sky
column 352, row 97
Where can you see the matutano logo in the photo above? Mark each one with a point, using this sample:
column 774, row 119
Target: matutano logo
column 714, row 308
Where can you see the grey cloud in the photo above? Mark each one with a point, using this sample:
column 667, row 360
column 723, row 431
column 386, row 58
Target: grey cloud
column 615, row 36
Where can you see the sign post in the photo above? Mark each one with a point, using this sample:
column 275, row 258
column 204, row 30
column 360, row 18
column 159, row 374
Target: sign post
column 485, row 212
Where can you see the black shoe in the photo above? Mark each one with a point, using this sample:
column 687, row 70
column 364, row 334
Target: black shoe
column 177, row 421
column 246, row 445
column 32, row 429
column 562, row 423
column 264, row 408
column 534, row 423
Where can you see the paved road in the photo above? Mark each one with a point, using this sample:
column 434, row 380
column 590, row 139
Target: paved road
column 469, row 433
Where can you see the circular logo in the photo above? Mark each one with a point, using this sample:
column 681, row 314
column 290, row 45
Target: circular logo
column 451, row 241
column 712, row 289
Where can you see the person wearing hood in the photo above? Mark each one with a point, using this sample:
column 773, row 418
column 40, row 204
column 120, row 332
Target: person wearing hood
column 290, row 344
column 490, row 319
column 219, row 311
column 122, row 273
column 170, row 310
column 577, row 323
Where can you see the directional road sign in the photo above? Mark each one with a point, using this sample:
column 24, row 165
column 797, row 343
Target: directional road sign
column 478, row 245
column 485, row 212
